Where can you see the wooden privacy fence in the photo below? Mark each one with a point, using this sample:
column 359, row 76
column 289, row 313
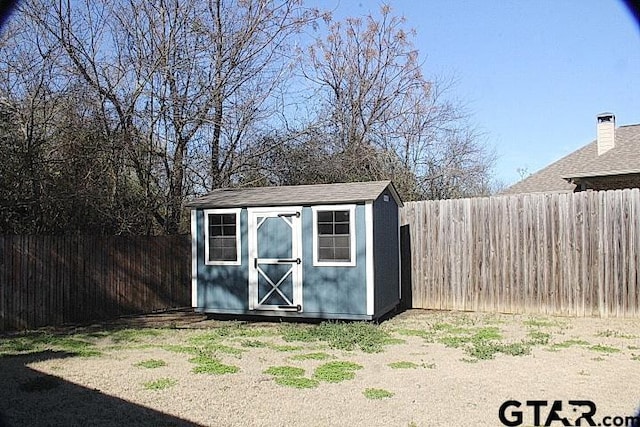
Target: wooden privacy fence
column 52, row 280
column 566, row 254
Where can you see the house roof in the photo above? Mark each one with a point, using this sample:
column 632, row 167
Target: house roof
column 622, row 159
column 316, row 194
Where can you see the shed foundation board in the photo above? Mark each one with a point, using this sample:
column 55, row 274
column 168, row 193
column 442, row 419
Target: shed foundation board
column 288, row 314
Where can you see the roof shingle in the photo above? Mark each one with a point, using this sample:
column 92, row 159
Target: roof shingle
column 316, row 194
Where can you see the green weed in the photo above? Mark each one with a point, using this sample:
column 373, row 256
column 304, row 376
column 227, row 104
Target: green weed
column 377, row 393
column 311, row 356
column 284, row 347
column 181, row 349
column 425, row 335
column 160, row 384
column 569, row 343
column 402, row 365
column 37, row 342
column 451, row 329
column 133, row 335
column 253, row 343
column 334, row 372
column 297, row 382
column 608, row 333
column 209, row 365
column 151, row 364
column 538, row 338
column 285, row 371
column 291, row 376
column 367, row 337
column 535, row 322
column 604, row 349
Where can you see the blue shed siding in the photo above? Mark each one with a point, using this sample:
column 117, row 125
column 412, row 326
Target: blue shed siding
column 223, row 287
column 386, row 254
column 335, row 290
column 327, row 291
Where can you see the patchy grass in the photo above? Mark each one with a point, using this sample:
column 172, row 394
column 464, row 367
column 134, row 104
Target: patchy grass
column 600, row 348
column 538, row 337
column 213, row 343
column 451, row 329
column 536, row 322
column 377, row 393
column 208, row 365
column 39, row 341
column 151, row 364
column 428, row 336
column 311, row 356
column 285, row 347
column 485, row 350
column 121, row 336
column 335, row 372
column 291, row 376
column 367, row 337
column 297, row 382
column 635, row 357
column 253, row 343
column 402, row 365
column 285, row 371
column 188, row 349
column 244, row 329
column 160, row 384
column 485, row 342
column 609, row 333
column 569, row 343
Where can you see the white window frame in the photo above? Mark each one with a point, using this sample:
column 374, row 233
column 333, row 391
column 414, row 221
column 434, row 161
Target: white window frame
column 238, row 260
column 352, row 235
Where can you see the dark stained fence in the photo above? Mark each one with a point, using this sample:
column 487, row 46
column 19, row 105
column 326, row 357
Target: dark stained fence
column 575, row 254
column 53, row 280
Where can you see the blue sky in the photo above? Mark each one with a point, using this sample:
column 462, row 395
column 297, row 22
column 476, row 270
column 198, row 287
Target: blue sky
column 533, row 73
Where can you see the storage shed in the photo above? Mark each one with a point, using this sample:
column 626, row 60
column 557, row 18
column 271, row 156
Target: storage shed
column 328, row 251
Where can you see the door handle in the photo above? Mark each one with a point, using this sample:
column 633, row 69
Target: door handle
column 296, row 260
column 297, row 214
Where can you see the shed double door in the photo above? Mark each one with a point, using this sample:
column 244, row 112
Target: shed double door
column 275, row 264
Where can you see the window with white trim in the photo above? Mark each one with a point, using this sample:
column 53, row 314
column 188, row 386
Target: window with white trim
column 222, row 236
column 334, row 235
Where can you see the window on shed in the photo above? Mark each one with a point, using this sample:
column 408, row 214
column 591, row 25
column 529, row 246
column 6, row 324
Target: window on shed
column 334, row 235
column 222, row 237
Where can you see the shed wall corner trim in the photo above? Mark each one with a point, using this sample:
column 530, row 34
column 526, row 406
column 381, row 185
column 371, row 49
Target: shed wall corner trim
column 368, row 223
column 194, row 258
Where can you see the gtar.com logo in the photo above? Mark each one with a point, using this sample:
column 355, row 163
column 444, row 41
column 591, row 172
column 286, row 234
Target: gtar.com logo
column 545, row 413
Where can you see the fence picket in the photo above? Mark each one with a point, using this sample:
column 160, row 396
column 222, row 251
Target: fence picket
column 572, row 254
column 52, row 280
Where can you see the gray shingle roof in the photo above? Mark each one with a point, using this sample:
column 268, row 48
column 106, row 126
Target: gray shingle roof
column 317, row 194
column 624, row 158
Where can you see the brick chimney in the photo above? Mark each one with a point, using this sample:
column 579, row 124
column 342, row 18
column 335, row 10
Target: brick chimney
column 606, row 130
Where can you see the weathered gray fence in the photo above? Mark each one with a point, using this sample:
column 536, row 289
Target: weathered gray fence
column 566, row 254
column 52, row 280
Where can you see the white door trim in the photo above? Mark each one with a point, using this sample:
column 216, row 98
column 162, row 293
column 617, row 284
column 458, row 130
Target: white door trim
column 295, row 221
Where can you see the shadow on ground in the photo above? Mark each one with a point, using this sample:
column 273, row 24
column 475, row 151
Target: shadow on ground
column 32, row 398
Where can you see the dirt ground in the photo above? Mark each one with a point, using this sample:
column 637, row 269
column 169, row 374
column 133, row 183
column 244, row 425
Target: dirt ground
column 596, row 360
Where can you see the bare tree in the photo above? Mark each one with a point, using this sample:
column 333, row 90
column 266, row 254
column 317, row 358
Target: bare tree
column 187, row 86
column 387, row 118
